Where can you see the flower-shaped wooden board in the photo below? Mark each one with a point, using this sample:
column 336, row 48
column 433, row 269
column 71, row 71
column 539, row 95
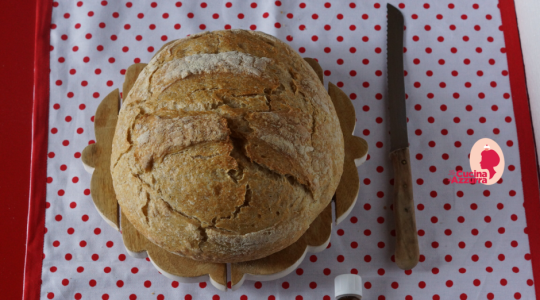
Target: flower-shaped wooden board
column 96, row 159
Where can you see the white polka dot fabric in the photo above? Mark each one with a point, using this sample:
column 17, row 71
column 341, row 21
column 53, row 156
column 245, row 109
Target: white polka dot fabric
column 473, row 238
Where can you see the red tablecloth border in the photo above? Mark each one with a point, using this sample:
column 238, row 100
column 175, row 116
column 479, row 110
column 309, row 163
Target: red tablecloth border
column 522, row 116
column 38, row 165
column 38, row 173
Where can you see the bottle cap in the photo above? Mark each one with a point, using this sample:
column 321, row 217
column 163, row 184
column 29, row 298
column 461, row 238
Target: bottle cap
column 348, row 285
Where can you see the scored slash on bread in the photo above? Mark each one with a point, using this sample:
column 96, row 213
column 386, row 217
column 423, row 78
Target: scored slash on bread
column 96, row 158
column 225, row 148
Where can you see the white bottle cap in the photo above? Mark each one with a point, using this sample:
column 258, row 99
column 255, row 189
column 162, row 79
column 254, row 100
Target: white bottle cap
column 348, row 285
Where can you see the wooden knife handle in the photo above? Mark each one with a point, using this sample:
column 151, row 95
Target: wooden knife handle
column 407, row 252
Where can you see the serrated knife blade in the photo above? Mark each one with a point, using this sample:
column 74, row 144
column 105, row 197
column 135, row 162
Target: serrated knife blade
column 407, row 252
column 396, row 84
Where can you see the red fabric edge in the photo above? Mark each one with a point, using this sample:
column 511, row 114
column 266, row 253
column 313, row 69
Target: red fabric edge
column 38, row 165
column 527, row 154
column 38, row 173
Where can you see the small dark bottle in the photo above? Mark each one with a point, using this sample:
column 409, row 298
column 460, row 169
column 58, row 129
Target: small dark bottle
column 348, row 287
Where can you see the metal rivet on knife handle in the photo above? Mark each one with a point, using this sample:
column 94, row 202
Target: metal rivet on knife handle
column 407, row 252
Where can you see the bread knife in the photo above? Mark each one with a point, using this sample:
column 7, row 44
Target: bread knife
column 407, row 252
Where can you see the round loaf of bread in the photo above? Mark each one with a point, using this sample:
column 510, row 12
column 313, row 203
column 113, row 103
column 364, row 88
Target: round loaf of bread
column 226, row 148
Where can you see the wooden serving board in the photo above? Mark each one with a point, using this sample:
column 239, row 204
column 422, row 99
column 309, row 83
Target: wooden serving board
column 96, row 160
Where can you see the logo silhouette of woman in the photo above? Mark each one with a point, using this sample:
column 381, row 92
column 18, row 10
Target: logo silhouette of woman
column 490, row 159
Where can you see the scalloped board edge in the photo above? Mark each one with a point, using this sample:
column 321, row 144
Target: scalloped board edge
column 278, row 275
column 361, row 160
column 246, row 276
column 105, row 218
column 348, row 211
column 186, row 279
column 90, row 170
column 357, row 162
column 140, row 255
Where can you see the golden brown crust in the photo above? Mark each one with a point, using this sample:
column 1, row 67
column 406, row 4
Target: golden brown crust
column 227, row 147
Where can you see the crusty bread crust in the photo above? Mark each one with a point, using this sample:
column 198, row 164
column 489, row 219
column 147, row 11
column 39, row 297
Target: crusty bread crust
column 226, row 148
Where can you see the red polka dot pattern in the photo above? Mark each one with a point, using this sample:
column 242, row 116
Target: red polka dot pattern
column 473, row 238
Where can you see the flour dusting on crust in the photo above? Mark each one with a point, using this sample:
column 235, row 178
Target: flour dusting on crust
column 226, row 148
column 233, row 61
